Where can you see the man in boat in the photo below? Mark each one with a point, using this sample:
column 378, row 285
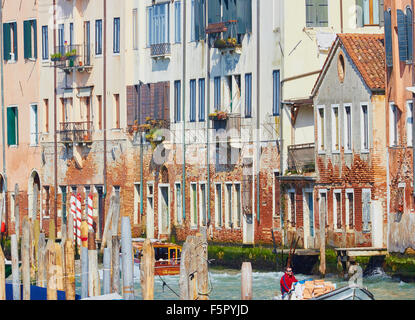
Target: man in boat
column 287, row 280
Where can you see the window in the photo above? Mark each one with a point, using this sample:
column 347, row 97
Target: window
column 193, row 204
column 405, row 34
column 99, row 98
column 46, row 104
column 117, row 111
column 222, row 11
column 349, row 209
column 45, row 43
column 87, row 40
column 337, row 210
column 10, row 41
column 34, row 125
column 12, row 126
column 218, row 205
column 276, row 93
column 217, row 93
column 177, row 101
column 394, row 120
column 364, row 127
column 248, row 95
column 388, row 38
column 229, row 206
column 203, row 205
column 202, row 100
column 192, row 100
column 30, row 39
column 323, row 206
column 409, row 123
column 198, row 22
column 321, row 128
column 116, row 46
column 347, row 128
column 335, row 133
column 137, row 202
column 192, row 22
column 135, row 29
column 369, row 12
column 317, row 13
column 178, row 204
column 158, row 24
column 366, row 210
column 238, row 208
column 177, row 22
column 71, row 34
column 98, row 37
column 61, row 38
column 291, row 208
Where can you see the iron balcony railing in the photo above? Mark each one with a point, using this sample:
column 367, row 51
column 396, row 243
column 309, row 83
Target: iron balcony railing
column 69, row 56
column 75, row 132
column 301, row 158
column 160, row 49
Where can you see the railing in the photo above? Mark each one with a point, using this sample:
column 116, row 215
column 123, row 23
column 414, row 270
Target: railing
column 160, row 49
column 301, row 158
column 70, row 56
column 226, row 35
column 75, row 132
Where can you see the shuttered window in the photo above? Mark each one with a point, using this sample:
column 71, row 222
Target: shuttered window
column 61, row 38
column 45, row 43
column 12, row 126
column 10, row 41
column 388, row 38
column 369, row 12
column 177, row 22
column 316, row 13
column 192, row 100
column 248, row 95
column 409, row 32
column 30, row 39
column 202, row 100
column 225, row 10
column 405, row 34
column 276, row 93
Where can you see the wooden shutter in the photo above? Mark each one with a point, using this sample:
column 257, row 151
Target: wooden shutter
column 388, row 38
column 322, row 13
column 311, row 13
column 6, row 41
column 359, row 13
column 12, row 126
column 27, row 35
column 214, row 14
column 15, row 40
column 409, row 32
column 402, row 36
column 132, row 101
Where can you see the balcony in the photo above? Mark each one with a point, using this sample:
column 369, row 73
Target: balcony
column 301, row 158
column 76, row 132
column 224, row 37
column 72, row 57
column 160, row 50
column 230, row 123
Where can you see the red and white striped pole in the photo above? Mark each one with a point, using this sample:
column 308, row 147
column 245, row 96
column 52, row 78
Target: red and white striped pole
column 90, row 206
column 78, row 218
column 73, row 211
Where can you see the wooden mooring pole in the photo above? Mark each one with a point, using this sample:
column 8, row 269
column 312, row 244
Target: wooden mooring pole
column 107, row 271
column 115, row 264
column 84, row 272
column 41, row 261
column 147, row 271
column 15, row 267
column 246, row 281
column 127, row 259
column 25, row 254
column 2, row 276
column 52, row 294
column 69, row 269
column 93, row 276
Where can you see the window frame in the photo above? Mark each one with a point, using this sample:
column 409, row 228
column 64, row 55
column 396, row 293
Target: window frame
column 364, row 130
column 45, row 43
column 276, row 103
column 393, row 125
column 347, row 211
column 348, row 135
column 218, row 206
column 98, row 38
column 335, row 216
column 335, row 129
column 248, row 95
column 321, row 129
column 34, row 106
column 116, row 46
column 16, row 123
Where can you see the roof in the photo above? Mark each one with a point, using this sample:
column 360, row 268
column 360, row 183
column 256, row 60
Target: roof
column 368, row 55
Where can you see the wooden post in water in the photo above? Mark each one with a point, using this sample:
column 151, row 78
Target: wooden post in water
column 246, row 281
column 36, row 235
column 147, row 271
column 127, row 259
column 41, row 266
column 52, row 234
column 25, row 254
column 69, row 269
column 322, row 268
column 84, row 233
column 107, row 223
column 60, row 285
column 52, row 294
column 184, row 272
column 2, row 276
column 93, row 276
column 201, row 255
column 107, row 271
column 115, row 264
column 32, row 250
column 15, row 267
column 84, row 272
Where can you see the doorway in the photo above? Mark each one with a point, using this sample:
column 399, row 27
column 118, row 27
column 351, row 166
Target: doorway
column 150, row 212
column 164, row 214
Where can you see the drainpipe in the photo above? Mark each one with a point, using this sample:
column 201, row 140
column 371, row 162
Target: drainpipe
column 208, row 110
column 258, row 208
column 55, row 143
column 105, row 102
column 141, row 156
column 184, row 111
column 341, row 16
column 2, row 116
column 413, row 112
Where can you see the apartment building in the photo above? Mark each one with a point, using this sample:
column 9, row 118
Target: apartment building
column 21, row 154
column 399, row 123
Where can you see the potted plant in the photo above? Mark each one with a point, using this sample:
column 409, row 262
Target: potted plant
column 71, row 55
column 218, row 115
column 56, row 56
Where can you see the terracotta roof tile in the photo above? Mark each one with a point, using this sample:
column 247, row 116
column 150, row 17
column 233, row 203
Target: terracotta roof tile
column 368, row 54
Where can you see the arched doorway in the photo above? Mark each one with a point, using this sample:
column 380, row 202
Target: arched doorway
column 33, row 193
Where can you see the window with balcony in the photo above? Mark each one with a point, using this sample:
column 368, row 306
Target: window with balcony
column 30, row 39
column 10, row 41
column 316, row 13
column 158, row 29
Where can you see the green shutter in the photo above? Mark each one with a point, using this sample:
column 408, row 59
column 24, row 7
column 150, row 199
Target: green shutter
column 214, row 14
column 27, row 36
column 12, row 126
column 6, row 41
column 311, row 13
column 322, row 13
column 359, row 13
column 244, row 16
column 15, row 39
column 34, row 23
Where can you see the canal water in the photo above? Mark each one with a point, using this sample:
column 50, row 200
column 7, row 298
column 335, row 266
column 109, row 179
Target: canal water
column 226, row 285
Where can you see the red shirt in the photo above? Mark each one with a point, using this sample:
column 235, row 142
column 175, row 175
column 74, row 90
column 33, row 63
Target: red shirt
column 286, row 282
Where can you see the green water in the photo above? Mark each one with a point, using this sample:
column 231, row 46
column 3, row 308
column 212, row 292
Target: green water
column 226, row 285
